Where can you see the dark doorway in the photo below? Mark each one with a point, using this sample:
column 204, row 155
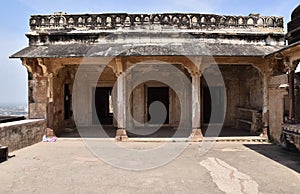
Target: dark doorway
column 102, row 105
column 160, row 94
column 67, row 101
column 213, row 96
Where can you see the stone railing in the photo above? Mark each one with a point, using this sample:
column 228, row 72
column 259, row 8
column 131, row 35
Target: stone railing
column 291, row 135
column 123, row 20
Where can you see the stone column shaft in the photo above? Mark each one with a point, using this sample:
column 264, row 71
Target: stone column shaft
column 196, row 108
column 121, row 134
column 265, row 111
column 291, row 95
column 196, row 113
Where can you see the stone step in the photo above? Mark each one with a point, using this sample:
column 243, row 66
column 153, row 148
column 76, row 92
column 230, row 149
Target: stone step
column 216, row 139
column 210, row 139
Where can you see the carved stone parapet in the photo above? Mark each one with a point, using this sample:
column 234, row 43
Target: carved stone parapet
column 171, row 20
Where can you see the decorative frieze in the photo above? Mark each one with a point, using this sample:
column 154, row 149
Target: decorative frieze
column 177, row 20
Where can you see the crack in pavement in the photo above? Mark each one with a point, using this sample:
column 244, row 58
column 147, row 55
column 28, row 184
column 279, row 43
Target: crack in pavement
column 227, row 178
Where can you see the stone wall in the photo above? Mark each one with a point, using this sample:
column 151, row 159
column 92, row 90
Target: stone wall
column 276, row 105
column 38, row 87
column 243, row 89
column 19, row 134
column 65, row 76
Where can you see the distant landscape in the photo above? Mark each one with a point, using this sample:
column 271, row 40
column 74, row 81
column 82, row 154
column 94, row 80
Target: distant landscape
column 13, row 109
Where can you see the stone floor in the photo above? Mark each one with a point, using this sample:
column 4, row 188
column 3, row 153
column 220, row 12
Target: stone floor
column 70, row 166
column 163, row 132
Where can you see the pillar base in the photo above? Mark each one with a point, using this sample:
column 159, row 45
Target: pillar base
column 265, row 132
column 121, row 135
column 196, row 135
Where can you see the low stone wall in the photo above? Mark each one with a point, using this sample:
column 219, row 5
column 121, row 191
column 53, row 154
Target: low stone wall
column 292, row 134
column 19, row 134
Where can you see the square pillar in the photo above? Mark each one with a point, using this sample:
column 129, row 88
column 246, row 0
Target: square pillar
column 291, row 77
column 265, row 111
column 196, row 108
column 121, row 134
column 291, row 65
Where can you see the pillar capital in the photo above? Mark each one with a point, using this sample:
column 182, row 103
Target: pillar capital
column 41, row 63
column 117, row 66
column 41, row 67
column 290, row 64
column 26, row 64
column 195, row 73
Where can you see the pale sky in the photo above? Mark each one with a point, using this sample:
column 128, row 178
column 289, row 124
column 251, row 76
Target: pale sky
column 15, row 14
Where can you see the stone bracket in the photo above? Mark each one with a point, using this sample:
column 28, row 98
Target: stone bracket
column 117, row 66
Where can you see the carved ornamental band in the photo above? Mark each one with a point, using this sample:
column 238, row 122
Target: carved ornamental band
column 123, row 20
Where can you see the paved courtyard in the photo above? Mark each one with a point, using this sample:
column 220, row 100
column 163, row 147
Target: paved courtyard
column 68, row 166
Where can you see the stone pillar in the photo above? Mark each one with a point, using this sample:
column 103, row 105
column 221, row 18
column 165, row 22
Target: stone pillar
column 121, row 134
column 50, row 106
column 37, row 89
column 265, row 111
column 291, row 94
column 38, row 101
column 129, row 102
column 196, row 108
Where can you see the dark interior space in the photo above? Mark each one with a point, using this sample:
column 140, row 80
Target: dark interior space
column 160, row 94
column 213, row 97
column 102, row 111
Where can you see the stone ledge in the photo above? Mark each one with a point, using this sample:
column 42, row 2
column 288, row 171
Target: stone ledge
column 22, row 122
column 19, row 134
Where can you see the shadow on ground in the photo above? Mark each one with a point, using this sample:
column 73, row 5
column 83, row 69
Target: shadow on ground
column 290, row 159
column 162, row 132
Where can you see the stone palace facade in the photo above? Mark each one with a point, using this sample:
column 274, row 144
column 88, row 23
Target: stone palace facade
column 83, row 70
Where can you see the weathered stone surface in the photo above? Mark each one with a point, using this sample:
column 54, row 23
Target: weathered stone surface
column 194, row 48
column 69, row 22
column 276, row 116
column 61, row 43
column 66, row 35
column 196, row 135
column 291, row 133
column 19, row 134
column 121, row 135
column 37, row 110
